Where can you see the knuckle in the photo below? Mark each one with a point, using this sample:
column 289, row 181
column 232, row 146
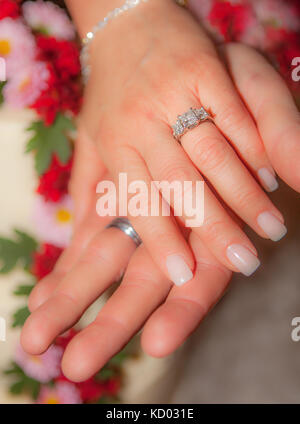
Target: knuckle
column 212, row 152
column 141, row 280
column 255, row 151
column 214, row 230
column 133, row 106
column 203, row 265
column 96, row 252
column 68, row 298
column 164, row 239
column 247, row 198
column 233, row 116
column 279, row 149
column 176, row 172
column 112, row 321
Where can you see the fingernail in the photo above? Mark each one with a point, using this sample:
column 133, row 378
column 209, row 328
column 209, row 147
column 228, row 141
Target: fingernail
column 268, row 180
column 271, row 225
column 243, row 259
column 178, row 270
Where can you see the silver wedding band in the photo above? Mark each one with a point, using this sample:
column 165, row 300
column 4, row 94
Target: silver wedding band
column 189, row 120
column 124, row 225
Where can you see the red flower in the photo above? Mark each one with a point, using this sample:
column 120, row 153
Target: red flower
column 230, row 19
column 112, row 386
column 9, row 9
column 65, row 339
column 280, row 38
column 284, row 47
column 64, row 92
column 90, row 390
column 54, row 183
column 60, row 96
column 62, row 54
column 44, row 260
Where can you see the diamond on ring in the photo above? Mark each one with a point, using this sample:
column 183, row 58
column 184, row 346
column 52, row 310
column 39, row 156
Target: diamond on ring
column 189, row 120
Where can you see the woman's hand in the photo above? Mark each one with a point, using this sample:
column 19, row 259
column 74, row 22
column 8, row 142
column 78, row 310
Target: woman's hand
column 96, row 258
column 147, row 67
column 145, row 298
column 58, row 298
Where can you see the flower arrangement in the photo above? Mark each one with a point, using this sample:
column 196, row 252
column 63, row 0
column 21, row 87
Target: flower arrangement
column 38, row 43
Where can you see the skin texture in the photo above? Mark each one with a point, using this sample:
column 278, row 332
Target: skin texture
column 146, row 298
column 129, row 111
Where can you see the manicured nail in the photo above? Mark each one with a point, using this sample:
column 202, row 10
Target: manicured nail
column 178, row 270
column 268, row 180
column 271, row 225
column 243, row 259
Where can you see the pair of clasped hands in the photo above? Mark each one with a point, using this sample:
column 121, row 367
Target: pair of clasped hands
column 148, row 67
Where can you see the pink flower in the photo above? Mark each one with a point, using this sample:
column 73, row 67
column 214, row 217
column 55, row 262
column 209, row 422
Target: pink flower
column 276, row 13
column 48, row 18
column 42, row 368
column 62, row 393
column 26, row 85
column 17, row 45
column 53, row 220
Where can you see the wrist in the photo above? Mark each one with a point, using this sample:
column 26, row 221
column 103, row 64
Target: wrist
column 84, row 17
column 135, row 28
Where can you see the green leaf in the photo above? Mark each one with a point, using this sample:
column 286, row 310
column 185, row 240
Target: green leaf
column 17, row 388
column 107, row 400
column 20, row 316
column 15, row 369
column 119, row 358
column 14, row 251
column 50, row 140
column 2, row 84
column 127, row 351
column 33, row 386
column 23, row 383
column 105, row 374
column 24, row 290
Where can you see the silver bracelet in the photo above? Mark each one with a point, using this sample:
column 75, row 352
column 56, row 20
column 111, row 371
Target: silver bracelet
column 84, row 56
column 183, row 3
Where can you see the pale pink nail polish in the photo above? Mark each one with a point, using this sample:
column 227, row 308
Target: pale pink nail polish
column 268, row 180
column 243, row 259
column 271, row 225
column 178, row 270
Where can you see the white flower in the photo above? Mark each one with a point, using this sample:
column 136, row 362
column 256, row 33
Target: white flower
column 53, row 220
column 47, row 17
column 17, row 45
column 26, row 84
